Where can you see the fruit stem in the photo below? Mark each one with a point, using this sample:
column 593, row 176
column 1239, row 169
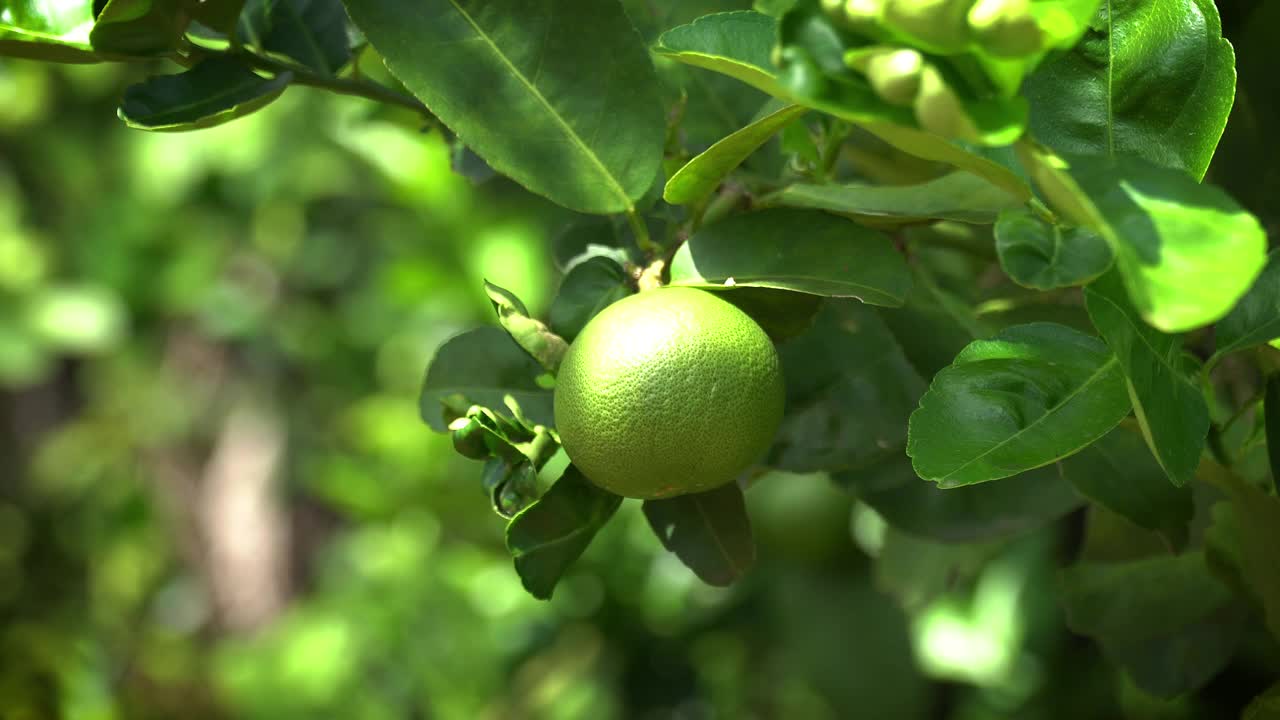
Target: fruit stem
column 641, row 231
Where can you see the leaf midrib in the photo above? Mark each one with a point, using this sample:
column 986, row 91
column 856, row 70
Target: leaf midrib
column 578, row 142
column 1102, row 369
column 724, row 551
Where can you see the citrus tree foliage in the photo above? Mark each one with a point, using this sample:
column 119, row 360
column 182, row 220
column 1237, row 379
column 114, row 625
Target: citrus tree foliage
column 978, row 232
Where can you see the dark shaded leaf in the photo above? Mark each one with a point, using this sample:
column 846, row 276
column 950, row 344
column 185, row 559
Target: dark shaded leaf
column 1170, row 408
column 312, row 33
column 709, row 531
column 850, row 391
column 803, row 251
column 482, row 367
column 1044, row 256
column 1165, row 619
column 1119, row 473
column 1255, row 525
column 588, row 288
column 782, row 314
column 213, row 92
column 547, row 537
column 139, row 27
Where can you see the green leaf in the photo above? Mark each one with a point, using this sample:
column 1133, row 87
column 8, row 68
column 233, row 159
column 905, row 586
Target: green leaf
column 220, row 16
column 965, row 514
column 1165, row 618
column 849, row 391
column 1256, row 517
column 1187, row 251
column 709, row 531
column 588, row 288
column 213, row 92
column 57, row 32
column 139, row 27
column 1044, row 256
column 1256, row 318
column 1029, row 396
column 959, row 196
column 701, row 175
column 559, row 95
column 1170, row 408
column 1119, row 473
column 531, row 334
column 482, row 367
column 1271, row 421
column 312, row 33
column 802, row 251
column 932, row 147
column 511, row 487
column 1152, row 79
column 548, row 536
column 781, row 314
column 737, row 44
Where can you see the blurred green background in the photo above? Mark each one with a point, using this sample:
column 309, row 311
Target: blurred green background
column 217, row 499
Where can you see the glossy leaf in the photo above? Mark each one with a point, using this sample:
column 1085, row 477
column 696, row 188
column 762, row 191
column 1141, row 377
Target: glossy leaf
column 1014, row 505
column 1164, row 618
column 1170, row 408
column 1119, row 473
column 1042, row 255
column 1256, row 318
column 312, row 33
column 849, row 390
column 588, row 288
column 802, row 251
column 1152, row 79
column 139, row 27
column 700, row 176
column 529, row 333
column 1187, row 252
column 548, row 536
column 737, row 44
column 709, row 531
column 482, row 367
column 1029, row 396
column 213, row 92
column 959, row 196
column 560, row 95
column 47, row 31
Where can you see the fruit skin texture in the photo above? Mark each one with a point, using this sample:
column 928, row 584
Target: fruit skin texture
column 668, row 392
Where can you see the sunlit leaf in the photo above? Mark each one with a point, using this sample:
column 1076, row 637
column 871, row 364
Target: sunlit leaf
column 1029, row 396
column 529, row 333
column 959, row 196
column 561, row 96
column 700, row 176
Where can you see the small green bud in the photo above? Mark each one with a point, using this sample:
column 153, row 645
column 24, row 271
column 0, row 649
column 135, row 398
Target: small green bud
column 941, row 25
column 1006, row 28
column 895, row 75
column 939, row 110
column 469, row 439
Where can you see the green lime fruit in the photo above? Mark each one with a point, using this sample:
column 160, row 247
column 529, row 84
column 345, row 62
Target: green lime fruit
column 668, row 392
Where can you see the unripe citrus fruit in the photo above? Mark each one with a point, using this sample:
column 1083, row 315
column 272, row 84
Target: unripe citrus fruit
column 668, row 392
